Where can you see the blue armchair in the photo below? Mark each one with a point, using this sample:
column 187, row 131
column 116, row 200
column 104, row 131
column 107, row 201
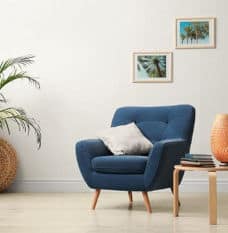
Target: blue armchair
column 170, row 130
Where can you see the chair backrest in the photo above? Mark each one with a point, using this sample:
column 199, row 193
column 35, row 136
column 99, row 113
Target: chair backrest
column 158, row 123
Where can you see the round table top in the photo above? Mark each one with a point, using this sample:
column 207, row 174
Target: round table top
column 208, row 169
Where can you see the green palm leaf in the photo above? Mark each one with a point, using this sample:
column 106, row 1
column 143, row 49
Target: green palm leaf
column 23, row 122
column 18, row 75
column 16, row 62
column 11, row 70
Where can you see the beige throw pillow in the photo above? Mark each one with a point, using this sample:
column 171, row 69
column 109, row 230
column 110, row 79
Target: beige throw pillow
column 125, row 139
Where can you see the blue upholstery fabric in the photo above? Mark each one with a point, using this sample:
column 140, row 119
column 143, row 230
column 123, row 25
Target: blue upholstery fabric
column 123, row 164
column 169, row 128
column 153, row 130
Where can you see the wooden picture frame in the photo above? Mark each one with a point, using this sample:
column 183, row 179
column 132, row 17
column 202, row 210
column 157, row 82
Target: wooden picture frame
column 195, row 33
column 152, row 67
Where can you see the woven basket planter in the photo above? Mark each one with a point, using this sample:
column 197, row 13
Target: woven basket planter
column 8, row 164
column 219, row 138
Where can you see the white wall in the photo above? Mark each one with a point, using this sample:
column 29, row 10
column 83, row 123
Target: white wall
column 83, row 58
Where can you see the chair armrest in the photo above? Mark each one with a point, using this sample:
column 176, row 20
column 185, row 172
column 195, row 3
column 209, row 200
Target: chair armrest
column 86, row 150
column 162, row 158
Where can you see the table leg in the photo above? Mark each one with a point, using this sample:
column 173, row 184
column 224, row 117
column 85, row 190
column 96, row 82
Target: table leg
column 212, row 198
column 175, row 192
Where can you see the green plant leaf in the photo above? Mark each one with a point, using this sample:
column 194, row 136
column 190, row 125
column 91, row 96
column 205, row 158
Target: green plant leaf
column 11, row 70
column 18, row 75
column 19, row 116
column 16, row 62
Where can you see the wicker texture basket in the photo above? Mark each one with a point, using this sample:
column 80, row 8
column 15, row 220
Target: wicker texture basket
column 8, row 164
column 219, row 138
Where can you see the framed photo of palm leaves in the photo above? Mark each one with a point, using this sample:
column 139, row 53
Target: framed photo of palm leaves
column 152, row 67
column 195, row 33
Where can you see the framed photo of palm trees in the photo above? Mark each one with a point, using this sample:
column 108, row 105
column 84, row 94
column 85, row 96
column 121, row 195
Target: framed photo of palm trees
column 152, row 67
column 195, row 33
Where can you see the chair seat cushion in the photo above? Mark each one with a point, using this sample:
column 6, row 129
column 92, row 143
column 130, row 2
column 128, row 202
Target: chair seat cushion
column 124, row 164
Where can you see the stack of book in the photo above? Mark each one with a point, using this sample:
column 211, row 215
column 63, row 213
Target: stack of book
column 198, row 160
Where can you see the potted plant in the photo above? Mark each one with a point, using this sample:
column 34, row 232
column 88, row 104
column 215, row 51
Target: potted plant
column 12, row 70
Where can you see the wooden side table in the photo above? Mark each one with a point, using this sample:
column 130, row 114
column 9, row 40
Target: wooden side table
column 212, row 202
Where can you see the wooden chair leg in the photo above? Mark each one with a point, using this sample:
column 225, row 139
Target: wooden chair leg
column 130, row 199
column 96, row 196
column 147, row 201
column 130, row 196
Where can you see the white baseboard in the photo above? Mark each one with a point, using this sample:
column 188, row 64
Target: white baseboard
column 49, row 186
column 188, row 185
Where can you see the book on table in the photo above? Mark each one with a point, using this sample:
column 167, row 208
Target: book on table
column 198, row 156
column 199, row 164
column 197, row 160
column 201, row 160
column 223, row 164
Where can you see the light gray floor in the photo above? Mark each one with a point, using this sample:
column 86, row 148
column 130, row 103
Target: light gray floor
column 70, row 213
